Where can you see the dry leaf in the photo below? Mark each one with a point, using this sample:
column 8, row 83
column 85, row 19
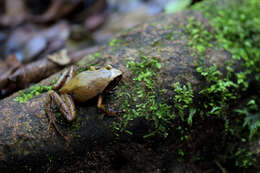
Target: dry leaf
column 61, row 58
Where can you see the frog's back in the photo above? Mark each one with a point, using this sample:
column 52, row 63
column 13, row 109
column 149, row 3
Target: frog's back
column 87, row 85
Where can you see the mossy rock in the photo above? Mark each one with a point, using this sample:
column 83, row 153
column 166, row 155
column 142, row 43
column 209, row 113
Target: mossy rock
column 160, row 60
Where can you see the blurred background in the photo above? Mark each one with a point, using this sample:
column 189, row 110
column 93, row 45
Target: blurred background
column 30, row 30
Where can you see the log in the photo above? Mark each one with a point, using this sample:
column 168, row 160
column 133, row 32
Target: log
column 26, row 144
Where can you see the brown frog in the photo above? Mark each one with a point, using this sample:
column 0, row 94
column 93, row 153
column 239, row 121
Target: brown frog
column 81, row 87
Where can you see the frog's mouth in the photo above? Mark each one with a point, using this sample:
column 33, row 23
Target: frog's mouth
column 113, row 84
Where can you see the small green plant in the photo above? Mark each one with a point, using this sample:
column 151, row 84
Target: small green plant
column 113, row 42
column 31, row 92
column 199, row 37
column 220, row 90
column 87, row 62
column 144, row 95
column 244, row 158
column 251, row 115
column 83, row 68
column 183, row 101
column 236, row 29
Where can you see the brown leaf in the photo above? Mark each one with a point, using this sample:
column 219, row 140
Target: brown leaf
column 60, row 58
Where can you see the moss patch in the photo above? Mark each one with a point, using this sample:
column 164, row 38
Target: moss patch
column 143, row 94
column 31, row 92
column 237, row 30
column 199, row 37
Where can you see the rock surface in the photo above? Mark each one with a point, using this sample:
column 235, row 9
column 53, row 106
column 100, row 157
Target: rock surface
column 27, row 145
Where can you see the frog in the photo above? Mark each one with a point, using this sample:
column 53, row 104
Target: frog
column 81, row 87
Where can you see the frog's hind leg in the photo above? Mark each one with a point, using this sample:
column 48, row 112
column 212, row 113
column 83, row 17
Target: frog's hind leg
column 61, row 80
column 65, row 104
column 66, row 76
column 49, row 113
column 71, row 73
column 70, row 105
column 102, row 107
column 66, row 107
column 52, row 117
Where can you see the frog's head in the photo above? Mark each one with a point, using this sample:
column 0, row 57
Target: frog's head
column 114, row 77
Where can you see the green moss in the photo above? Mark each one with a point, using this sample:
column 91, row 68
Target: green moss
column 144, row 96
column 113, row 42
column 213, row 100
column 199, row 37
column 252, row 116
column 236, row 29
column 169, row 36
column 96, row 55
column 221, row 90
column 244, row 158
column 31, row 92
column 183, row 101
column 87, row 62
column 83, row 68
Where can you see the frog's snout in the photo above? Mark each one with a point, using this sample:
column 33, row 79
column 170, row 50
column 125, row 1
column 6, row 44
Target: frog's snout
column 115, row 73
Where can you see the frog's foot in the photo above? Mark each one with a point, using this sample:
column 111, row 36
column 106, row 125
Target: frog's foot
column 102, row 107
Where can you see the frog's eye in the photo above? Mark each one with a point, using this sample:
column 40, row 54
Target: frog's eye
column 92, row 68
column 109, row 67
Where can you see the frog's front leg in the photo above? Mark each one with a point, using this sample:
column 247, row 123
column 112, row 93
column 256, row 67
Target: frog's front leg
column 66, row 76
column 64, row 102
column 102, row 107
